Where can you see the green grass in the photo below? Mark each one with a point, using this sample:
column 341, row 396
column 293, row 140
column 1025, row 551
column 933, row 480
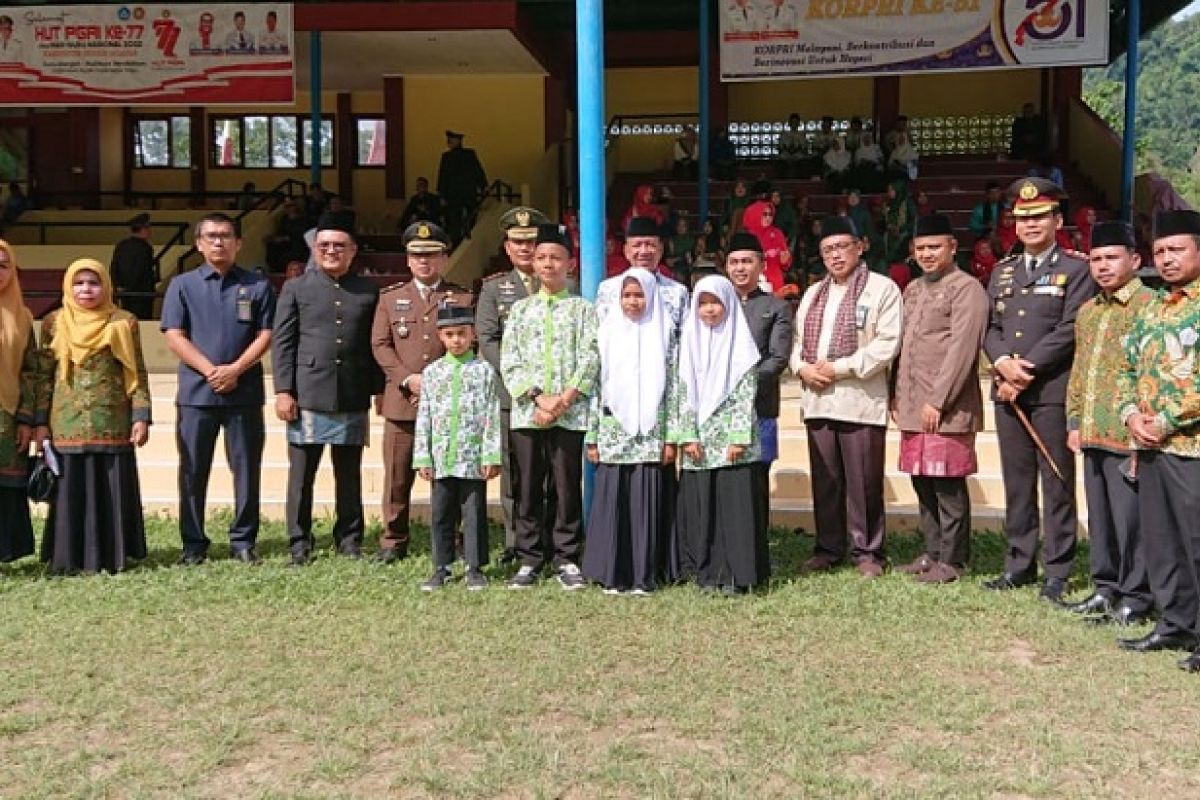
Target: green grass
column 344, row 680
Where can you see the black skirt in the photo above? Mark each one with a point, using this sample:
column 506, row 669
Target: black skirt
column 723, row 527
column 95, row 521
column 16, row 530
column 623, row 540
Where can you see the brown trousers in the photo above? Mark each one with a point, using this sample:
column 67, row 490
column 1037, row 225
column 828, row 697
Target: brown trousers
column 398, row 480
column 847, row 484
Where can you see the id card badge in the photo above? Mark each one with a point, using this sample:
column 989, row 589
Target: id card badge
column 860, row 316
column 245, row 306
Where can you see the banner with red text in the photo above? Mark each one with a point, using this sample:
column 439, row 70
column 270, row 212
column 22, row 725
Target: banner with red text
column 160, row 54
column 778, row 39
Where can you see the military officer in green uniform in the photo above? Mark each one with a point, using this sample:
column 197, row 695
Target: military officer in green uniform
column 1030, row 341
column 404, row 340
column 496, row 298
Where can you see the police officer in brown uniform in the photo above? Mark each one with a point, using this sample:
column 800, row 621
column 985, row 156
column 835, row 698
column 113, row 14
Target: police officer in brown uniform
column 1030, row 341
column 404, row 340
column 496, row 297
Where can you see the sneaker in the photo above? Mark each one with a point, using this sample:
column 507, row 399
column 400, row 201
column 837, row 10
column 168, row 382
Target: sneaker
column 436, row 581
column 639, row 592
column 570, row 578
column 612, row 591
column 476, row 581
column 525, row 578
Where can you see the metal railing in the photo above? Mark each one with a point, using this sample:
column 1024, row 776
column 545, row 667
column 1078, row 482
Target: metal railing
column 288, row 188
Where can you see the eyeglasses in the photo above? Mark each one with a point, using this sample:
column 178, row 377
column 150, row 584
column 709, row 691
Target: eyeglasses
column 335, row 247
column 218, row 237
column 840, row 247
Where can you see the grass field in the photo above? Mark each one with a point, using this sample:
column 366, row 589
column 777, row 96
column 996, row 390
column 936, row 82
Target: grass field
column 343, row 680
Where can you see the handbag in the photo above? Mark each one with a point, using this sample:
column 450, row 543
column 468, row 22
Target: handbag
column 42, row 481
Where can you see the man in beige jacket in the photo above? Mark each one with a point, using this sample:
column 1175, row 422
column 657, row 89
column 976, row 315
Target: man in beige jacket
column 847, row 333
column 937, row 403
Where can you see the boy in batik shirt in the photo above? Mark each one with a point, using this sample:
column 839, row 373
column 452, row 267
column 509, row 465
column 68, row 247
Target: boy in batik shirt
column 458, row 446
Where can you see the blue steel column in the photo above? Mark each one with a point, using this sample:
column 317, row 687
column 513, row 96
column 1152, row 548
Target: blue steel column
column 314, row 84
column 589, row 65
column 1133, row 19
column 703, row 131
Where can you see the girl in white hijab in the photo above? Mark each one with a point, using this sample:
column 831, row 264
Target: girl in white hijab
column 631, row 441
column 722, row 530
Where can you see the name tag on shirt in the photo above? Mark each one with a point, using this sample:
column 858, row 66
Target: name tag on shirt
column 1050, row 291
column 860, row 316
column 245, row 306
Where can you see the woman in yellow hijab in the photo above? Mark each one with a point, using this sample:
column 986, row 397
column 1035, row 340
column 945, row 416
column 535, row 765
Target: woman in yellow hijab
column 99, row 412
column 19, row 408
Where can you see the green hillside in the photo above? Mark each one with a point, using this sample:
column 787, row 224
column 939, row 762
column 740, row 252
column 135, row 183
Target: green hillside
column 1168, row 114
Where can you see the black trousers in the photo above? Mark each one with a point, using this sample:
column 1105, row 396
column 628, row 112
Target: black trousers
column 510, row 480
column 944, row 506
column 1170, row 534
column 303, row 460
column 455, row 500
column 1021, row 464
column 196, row 430
column 1118, row 566
column 557, row 453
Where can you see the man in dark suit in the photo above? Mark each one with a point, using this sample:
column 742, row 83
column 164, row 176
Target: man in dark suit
column 460, row 180
column 1030, row 341
column 404, row 341
column 324, row 379
column 770, row 320
column 497, row 296
column 132, row 268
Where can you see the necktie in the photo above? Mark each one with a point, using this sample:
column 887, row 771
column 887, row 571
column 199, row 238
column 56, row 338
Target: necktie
column 241, row 40
column 1033, row 265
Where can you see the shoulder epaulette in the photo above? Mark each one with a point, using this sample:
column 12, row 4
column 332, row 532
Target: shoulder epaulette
column 1066, row 251
column 1006, row 259
column 393, row 287
column 495, row 276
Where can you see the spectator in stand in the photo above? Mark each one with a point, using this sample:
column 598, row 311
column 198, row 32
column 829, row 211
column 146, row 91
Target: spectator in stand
column 855, row 134
column 986, row 213
column 821, row 142
column 899, row 216
column 614, row 258
column 867, row 172
column 785, row 217
column 341, row 215
column 924, row 205
column 644, row 205
column 663, row 199
column 423, row 204
column 1006, row 234
column 835, row 167
column 813, row 265
column 461, row 179
column 686, row 154
column 288, row 243
column 1028, row 134
column 679, row 249
column 1045, row 168
column 792, row 148
column 866, row 228
column 16, row 204
column 739, row 198
column 1085, row 220
column 777, row 259
column 804, row 214
column 892, row 138
column 983, row 260
column 248, row 199
column 132, row 269
column 903, row 158
column 722, row 156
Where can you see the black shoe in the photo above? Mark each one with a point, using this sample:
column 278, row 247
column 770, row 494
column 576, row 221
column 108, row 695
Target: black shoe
column 1153, row 642
column 1122, row 615
column 300, row 558
column 1053, row 590
column 1098, row 603
column 436, row 581
column 1191, row 663
column 1010, row 580
column 192, row 559
column 350, row 550
column 388, row 555
column 246, row 556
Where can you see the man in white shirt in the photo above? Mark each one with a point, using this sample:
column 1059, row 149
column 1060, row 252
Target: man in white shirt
column 12, row 50
column 742, row 17
column 271, row 40
column 781, row 16
column 847, row 333
column 239, row 40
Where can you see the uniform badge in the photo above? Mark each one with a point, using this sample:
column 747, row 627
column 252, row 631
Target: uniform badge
column 1029, row 191
column 999, row 306
column 402, row 304
column 523, row 218
column 402, row 331
column 423, row 231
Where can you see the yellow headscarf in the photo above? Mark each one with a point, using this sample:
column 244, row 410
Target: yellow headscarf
column 80, row 332
column 16, row 326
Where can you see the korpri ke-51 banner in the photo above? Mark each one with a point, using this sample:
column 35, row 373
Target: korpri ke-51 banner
column 149, row 54
column 765, row 39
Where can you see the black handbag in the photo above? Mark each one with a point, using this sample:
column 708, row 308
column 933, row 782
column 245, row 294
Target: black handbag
column 42, row 481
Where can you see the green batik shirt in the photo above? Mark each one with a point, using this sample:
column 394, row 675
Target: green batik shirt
column 32, row 409
column 1160, row 374
column 550, row 344
column 458, row 418
column 1100, row 330
column 732, row 423
column 616, row 445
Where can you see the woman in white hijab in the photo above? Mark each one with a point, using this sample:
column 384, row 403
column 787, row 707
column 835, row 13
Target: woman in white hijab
column 837, row 161
column 631, row 439
column 722, row 530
